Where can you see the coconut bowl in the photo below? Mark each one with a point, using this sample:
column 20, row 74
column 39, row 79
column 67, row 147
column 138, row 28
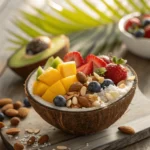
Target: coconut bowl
column 79, row 121
column 137, row 46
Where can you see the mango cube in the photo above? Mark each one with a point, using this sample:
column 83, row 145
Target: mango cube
column 50, row 76
column 39, row 88
column 49, row 96
column 67, row 69
column 58, row 88
column 68, row 81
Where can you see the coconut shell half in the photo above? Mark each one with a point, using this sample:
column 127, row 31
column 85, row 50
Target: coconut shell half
column 84, row 121
column 24, row 71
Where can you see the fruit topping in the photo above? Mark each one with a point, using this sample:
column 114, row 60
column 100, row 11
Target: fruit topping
column 94, row 87
column 106, row 83
column 81, row 77
column 86, row 68
column 147, row 31
column 2, row 116
column 106, row 59
column 74, row 56
column 139, row 33
column 26, row 102
column 60, row 101
column 38, row 45
column 75, row 87
column 97, row 62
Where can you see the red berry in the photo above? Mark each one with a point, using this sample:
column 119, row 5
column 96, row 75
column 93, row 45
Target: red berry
column 147, row 31
column 131, row 22
column 106, row 59
column 97, row 62
column 86, row 68
column 116, row 72
column 74, row 56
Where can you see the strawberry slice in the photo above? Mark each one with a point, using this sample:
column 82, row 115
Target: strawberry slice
column 74, row 56
column 97, row 62
column 86, row 68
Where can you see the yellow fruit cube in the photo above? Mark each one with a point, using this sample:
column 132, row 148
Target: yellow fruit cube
column 68, row 81
column 39, row 88
column 50, row 76
column 49, row 96
column 58, row 88
column 67, row 69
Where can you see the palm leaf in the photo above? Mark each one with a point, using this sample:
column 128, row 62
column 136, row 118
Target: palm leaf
column 87, row 33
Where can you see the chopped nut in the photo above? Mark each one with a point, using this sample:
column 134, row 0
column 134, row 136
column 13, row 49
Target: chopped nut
column 89, row 79
column 96, row 104
column 30, row 131
column 122, row 81
column 62, row 147
column 36, row 131
column 74, row 100
column 92, row 97
column 83, row 91
column 109, row 96
column 69, row 102
column 99, row 78
column 122, row 86
column 18, row 146
column 131, row 78
column 31, row 141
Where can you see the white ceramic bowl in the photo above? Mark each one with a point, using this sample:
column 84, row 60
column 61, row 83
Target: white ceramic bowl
column 138, row 46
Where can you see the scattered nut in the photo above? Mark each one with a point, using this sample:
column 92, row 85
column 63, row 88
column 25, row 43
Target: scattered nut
column 122, row 86
column 99, row 78
column 15, row 121
column 74, row 100
column 12, row 131
column 30, row 131
column 18, row 146
column 75, row 87
column 69, row 102
column 122, row 81
column 126, row 129
column 109, row 96
column 18, row 104
column 31, row 141
column 72, row 93
column 81, row 77
column 2, row 125
column 23, row 112
column 62, row 147
column 36, row 131
column 5, row 101
column 131, row 78
column 83, row 91
column 68, row 97
column 92, row 97
column 83, row 101
column 11, row 112
column 43, row 139
column 76, row 106
column 96, row 104
column 89, row 79
column 6, row 107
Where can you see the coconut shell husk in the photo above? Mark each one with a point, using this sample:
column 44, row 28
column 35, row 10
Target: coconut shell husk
column 83, row 123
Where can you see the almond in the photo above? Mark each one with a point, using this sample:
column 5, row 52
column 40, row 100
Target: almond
column 75, row 87
column 81, row 77
column 99, row 78
column 43, row 139
column 36, row 131
column 30, row 131
column 62, row 147
column 83, row 101
column 74, row 100
column 11, row 112
column 31, row 140
column 126, row 129
column 5, row 101
column 131, row 78
column 15, row 121
column 13, row 131
column 23, row 112
column 2, row 125
column 6, row 107
column 122, row 85
column 83, row 91
column 18, row 146
column 69, row 102
column 18, row 104
column 75, row 106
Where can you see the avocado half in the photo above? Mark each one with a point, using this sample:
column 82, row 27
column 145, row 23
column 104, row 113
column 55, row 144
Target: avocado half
column 23, row 64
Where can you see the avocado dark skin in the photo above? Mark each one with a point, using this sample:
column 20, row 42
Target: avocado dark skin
column 22, row 65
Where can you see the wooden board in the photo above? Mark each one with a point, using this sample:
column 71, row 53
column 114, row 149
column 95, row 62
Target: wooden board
column 137, row 116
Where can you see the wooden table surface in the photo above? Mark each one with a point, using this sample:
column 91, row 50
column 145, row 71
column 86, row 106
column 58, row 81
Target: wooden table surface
column 141, row 66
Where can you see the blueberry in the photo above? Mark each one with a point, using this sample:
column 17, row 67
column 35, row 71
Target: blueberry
column 139, row 33
column 94, row 87
column 60, row 101
column 26, row 102
column 145, row 22
column 106, row 83
column 2, row 116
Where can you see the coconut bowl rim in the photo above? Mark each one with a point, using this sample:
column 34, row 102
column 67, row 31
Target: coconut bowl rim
column 79, row 110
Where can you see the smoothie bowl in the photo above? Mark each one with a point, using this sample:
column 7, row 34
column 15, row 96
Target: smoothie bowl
column 81, row 96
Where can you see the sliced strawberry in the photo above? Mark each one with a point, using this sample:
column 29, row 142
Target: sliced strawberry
column 147, row 31
column 86, row 68
column 74, row 56
column 105, row 58
column 97, row 62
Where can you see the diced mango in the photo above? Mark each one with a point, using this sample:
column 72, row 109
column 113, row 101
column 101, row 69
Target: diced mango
column 49, row 96
column 39, row 88
column 50, row 76
column 58, row 88
column 68, row 81
column 67, row 69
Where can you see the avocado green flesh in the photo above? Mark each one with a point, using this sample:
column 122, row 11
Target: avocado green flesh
column 20, row 59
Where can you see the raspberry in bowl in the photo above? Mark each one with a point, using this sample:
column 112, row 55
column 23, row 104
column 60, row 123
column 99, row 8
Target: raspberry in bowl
column 81, row 96
column 135, row 33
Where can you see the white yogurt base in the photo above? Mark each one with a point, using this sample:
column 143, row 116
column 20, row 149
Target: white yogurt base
column 114, row 90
